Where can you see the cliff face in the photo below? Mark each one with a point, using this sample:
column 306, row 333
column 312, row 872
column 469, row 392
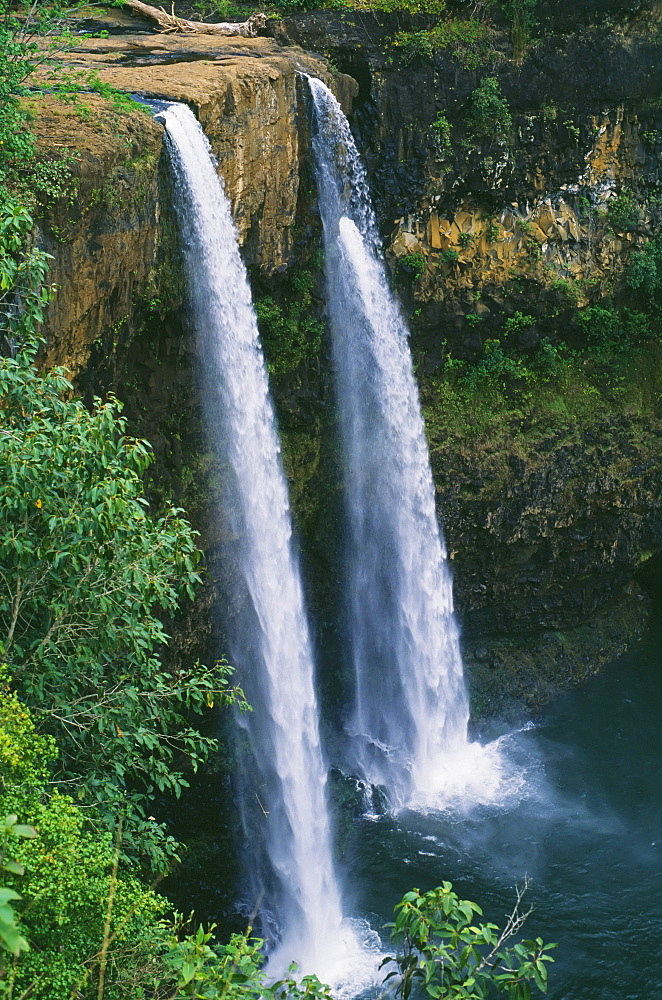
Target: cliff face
column 103, row 232
column 548, row 519
column 112, row 234
column 561, row 194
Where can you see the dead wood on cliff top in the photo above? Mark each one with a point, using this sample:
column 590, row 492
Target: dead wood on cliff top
column 170, row 22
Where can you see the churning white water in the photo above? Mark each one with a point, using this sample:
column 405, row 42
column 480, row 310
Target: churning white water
column 287, row 829
column 409, row 721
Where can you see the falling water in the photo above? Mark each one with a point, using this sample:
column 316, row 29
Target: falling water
column 288, row 829
column 409, row 722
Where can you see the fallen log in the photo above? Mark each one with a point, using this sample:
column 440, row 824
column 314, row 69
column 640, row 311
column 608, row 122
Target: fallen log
column 170, row 22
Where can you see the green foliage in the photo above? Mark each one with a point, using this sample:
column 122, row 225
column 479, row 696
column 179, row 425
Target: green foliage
column 517, row 323
column 623, row 214
column 233, row 971
column 644, row 274
column 492, row 231
column 291, row 333
column 68, row 84
column 219, row 8
column 88, row 927
column 469, row 41
column 449, row 256
column 441, row 132
column 573, row 131
column 23, row 295
column 608, row 330
column 414, row 45
column 64, row 873
column 17, row 60
column 431, row 7
column 87, row 576
column 465, row 240
column 414, row 264
column 570, row 292
column 551, row 362
column 497, row 371
column 449, row 954
column 21, row 24
column 489, row 115
column 11, row 939
column 521, row 17
column 49, row 180
column 92, row 927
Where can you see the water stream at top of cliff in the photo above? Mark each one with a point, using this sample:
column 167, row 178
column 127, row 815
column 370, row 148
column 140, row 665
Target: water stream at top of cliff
column 408, row 726
column 286, row 818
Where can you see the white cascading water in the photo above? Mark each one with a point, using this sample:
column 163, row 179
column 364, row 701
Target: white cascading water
column 291, row 839
column 410, row 716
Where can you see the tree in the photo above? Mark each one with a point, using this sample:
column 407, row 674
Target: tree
column 88, row 927
column 454, row 958
column 87, row 577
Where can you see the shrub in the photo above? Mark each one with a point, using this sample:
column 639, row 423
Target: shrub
column 492, row 231
column 570, row 292
column 414, row 264
column 414, row 45
column 623, row 214
column 489, row 114
column 644, row 274
column 517, row 322
column 441, row 131
column 470, row 42
column 600, row 325
column 449, row 256
column 290, row 332
column 432, row 7
column 449, row 954
column 497, row 371
column 74, row 536
column 520, row 14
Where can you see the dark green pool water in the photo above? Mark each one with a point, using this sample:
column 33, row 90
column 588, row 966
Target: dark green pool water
column 586, row 828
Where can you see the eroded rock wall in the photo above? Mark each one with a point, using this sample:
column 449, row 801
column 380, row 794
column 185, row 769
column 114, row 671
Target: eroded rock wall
column 112, row 236
column 526, row 212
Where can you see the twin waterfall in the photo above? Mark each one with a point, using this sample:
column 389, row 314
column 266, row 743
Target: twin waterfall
column 409, row 720
column 290, row 841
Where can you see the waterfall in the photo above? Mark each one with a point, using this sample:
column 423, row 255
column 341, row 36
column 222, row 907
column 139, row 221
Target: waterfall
column 286, row 814
column 408, row 726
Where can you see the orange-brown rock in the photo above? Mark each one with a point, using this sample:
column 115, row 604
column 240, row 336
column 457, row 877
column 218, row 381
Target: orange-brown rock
column 248, row 94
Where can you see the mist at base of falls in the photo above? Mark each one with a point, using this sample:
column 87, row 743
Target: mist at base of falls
column 582, row 822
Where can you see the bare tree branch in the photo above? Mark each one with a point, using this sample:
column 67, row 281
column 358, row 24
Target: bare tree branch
column 170, row 22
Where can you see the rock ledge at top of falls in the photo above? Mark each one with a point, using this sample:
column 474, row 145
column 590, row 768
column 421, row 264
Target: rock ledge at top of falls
column 110, row 240
column 244, row 92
